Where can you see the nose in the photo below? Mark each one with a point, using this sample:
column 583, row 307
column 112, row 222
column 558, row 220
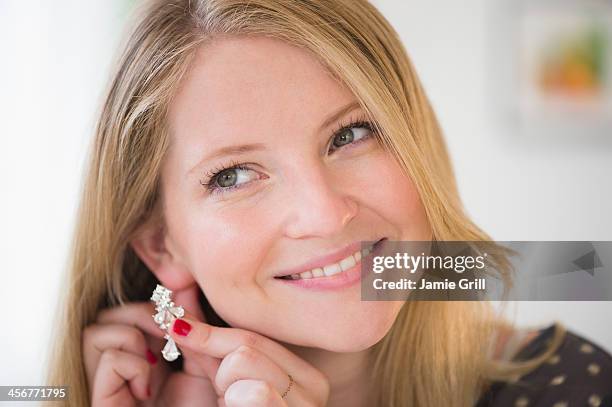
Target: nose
column 316, row 205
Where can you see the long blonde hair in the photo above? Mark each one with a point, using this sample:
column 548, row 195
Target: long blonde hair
column 433, row 355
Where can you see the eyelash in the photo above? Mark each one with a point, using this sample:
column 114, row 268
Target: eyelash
column 235, row 165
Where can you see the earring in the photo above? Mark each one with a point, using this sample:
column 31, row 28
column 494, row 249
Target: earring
column 167, row 312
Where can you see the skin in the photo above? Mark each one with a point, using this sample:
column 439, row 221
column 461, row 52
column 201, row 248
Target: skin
column 298, row 201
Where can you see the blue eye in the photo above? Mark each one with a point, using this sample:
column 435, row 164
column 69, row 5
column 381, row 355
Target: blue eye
column 227, row 178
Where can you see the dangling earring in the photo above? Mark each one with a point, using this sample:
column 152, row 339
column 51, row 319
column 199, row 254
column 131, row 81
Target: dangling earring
column 167, row 312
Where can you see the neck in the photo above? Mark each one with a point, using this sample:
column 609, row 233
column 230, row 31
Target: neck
column 347, row 373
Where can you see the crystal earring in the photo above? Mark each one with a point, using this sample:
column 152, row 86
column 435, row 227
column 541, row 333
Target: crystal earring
column 167, row 312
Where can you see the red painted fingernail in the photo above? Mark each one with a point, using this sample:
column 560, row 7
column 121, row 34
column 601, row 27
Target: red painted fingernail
column 181, row 327
column 151, row 357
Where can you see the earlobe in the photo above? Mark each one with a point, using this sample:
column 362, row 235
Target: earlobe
column 148, row 242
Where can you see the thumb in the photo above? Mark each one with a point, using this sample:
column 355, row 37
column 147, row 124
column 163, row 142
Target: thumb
column 194, row 363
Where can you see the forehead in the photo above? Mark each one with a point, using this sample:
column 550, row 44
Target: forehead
column 248, row 89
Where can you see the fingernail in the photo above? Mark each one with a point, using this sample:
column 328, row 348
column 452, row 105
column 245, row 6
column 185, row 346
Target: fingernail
column 181, row 327
column 148, row 391
column 151, row 357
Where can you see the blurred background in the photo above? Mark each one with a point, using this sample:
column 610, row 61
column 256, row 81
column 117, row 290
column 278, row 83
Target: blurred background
column 523, row 93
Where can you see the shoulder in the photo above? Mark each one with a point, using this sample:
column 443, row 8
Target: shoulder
column 578, row 374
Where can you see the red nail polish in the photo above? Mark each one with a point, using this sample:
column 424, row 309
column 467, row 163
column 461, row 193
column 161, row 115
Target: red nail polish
column 151, row 357
column 181, row 327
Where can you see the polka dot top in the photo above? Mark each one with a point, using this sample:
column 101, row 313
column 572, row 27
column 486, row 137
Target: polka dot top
column 578, row 374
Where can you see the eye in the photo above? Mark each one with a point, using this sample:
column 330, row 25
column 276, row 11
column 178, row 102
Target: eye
column 237, row 175
column 233, row 177
column 351, row 134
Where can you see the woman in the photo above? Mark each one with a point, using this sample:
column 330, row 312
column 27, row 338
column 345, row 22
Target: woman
column 242, row 142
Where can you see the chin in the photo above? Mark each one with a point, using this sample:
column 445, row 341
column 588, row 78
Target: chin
column 354, row 336
column 356, row 342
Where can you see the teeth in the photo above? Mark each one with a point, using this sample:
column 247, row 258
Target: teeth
column 335, row 268
column 347, row 263
column 332, row 269
column 307, row 274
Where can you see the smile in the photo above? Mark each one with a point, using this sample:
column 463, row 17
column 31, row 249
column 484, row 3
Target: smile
column 331, row 269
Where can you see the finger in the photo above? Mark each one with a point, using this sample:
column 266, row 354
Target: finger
column 98, row 338
column 137, row 314
column 218, row 342
column 194, row 362
column 181, row 389
column 249, row 363
column 200, row 365
column 119, row 378
column 252, row 393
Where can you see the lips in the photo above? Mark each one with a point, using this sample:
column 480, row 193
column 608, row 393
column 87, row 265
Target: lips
column 326, row 260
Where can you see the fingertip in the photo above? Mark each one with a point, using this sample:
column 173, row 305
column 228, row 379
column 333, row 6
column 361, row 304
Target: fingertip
column 181, row 327
column 151, row 358
column 146, row 394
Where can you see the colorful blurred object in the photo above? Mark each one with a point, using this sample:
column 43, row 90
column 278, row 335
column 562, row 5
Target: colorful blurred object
column 564, row 67
column 574, row 64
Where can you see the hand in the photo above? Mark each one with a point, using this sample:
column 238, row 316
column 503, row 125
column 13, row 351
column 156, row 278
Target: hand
column 224, row 367
column 245, row 368
column 115, row 351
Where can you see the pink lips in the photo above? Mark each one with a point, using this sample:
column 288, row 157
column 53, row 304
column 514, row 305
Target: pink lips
column 343, row 279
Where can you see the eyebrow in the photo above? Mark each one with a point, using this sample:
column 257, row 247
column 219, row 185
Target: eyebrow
column 246, row 148
column 339, row 113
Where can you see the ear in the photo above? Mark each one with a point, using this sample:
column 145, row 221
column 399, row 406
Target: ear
column 150, row 242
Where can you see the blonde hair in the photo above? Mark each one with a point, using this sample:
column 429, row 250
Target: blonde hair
column 433, row 355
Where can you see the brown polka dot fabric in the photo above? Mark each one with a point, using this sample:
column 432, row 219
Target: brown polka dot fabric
column 578, row 374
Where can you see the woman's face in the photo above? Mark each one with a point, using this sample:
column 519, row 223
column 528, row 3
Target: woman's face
column 296, row 198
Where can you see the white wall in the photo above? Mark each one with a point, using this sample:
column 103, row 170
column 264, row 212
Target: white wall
column 55, row 57
column 55, row 61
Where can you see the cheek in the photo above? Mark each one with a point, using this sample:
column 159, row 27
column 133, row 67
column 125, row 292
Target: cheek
column 223, row 251
column 224, row 256
column 394, row 196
